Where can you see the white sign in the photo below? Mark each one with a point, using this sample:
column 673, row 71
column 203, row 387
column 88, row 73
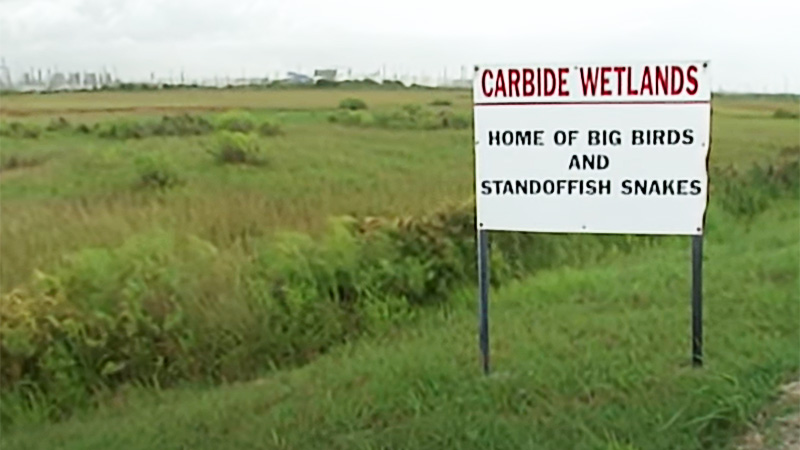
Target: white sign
column 592, row 148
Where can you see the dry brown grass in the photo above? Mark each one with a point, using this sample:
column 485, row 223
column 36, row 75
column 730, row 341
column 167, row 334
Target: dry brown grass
column 157, row 102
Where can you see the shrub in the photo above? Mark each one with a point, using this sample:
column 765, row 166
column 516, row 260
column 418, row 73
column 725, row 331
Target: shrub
column 455, row 120
column 123, row 129
column 781, row 113
column 156, row 172
column 237, row 148
column 270, row 128
column 238, row 121
column 20, row 130
column 441, row 102
column 181, row 125
column 415, row 117
column 354, row 118
column 19, row 162
column 59, row 124
column 83, row 129
column 352, row 104
column 746, row 193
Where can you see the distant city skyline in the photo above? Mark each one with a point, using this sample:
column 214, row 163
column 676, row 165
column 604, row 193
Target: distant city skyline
column 750, row 48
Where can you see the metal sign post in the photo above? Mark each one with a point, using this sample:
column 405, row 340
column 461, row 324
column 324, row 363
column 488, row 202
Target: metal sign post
column 483, row 304
column 697, row 300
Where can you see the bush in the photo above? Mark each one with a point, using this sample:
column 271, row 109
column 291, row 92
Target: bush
column 238, row 121
column 156, row 172
column 19, row 162
column 103, row 318
column 746, row 193
column 441, row 102
column 83, row 129
column 20, row 130
column 59, row 124
column 457, row 121
column 123, row 129
column 270, row 128
column 781, row 113
column 354, row 118
column 181, row 125
column 415, row 117
column 352, row 104
column 237, row 148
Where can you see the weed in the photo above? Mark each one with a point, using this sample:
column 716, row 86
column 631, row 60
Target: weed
column 441, row 102
column 83, row 129
column 352, row 104
column 238, row 121
column 181, row 125
column 416, row 117
column 237, row 148
column 353, row 118
column 20, row 130
column 781, row 113
column 58, row 124
column 19, row 162
column 156, row 172
column 270, row 128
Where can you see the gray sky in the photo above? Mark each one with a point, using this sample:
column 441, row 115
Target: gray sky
column 752, row 45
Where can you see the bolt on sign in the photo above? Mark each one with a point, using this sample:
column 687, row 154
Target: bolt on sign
column 592, row 148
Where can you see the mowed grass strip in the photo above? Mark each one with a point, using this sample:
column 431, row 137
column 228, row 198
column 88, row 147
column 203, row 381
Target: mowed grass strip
column 582, row 359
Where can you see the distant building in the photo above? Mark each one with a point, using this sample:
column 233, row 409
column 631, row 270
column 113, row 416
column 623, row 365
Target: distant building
column 298, row 78
column 74, row 79
column 90, row 80
column 57, row 81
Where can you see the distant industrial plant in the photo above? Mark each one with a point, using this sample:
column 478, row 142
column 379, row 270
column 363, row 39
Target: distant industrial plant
column 53, row 80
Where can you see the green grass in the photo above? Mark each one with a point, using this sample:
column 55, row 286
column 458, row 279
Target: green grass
column 583, row 359
column 589, row 355
column 84, row 183
column 316, row 170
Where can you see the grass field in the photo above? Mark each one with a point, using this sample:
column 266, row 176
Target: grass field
column 215, row 281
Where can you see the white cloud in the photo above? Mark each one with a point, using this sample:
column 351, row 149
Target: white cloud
column 751, row 45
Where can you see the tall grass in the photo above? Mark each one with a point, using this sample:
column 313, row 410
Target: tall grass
column 595, row 358
column 316, row 171
column 140, row 313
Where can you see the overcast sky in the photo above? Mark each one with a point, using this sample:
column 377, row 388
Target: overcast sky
column 752, row 46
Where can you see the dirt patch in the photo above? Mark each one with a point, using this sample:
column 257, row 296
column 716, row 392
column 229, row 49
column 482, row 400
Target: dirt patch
column 778, row 428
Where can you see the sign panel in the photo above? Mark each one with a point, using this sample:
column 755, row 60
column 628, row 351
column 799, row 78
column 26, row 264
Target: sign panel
column 592, row 148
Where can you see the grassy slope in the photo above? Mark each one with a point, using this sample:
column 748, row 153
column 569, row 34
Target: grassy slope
column 583, row 359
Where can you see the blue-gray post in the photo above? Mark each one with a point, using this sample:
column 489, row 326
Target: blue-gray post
column 483, row 303
column 697, row 300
